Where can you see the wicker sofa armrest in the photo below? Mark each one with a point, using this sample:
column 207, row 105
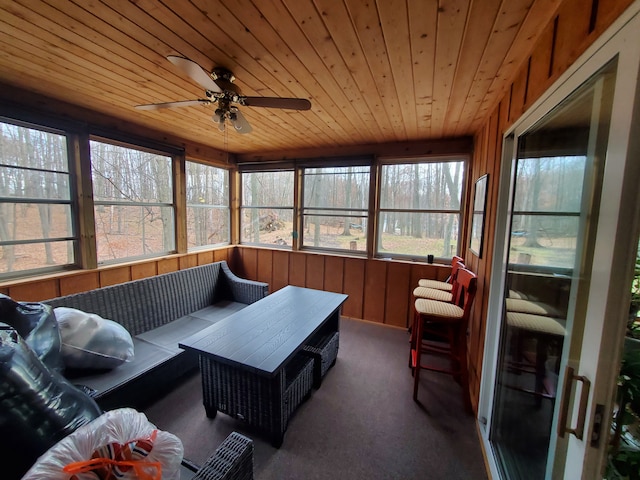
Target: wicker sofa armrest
column 242, row 290
column 233, row 460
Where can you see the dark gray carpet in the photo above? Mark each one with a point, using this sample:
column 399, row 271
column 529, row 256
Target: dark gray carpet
column 361, row 424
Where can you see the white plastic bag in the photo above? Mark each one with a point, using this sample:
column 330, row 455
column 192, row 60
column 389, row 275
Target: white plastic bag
column 90, row 341
column 119, row 426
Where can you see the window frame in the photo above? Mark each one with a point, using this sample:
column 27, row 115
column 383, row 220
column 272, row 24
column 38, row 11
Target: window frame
column 172, row 204
column 460, row 212
column 292, row 236
column 545, row 269
column 72, row 203
column 306, row 211
column 226, row 207
column 79, row 135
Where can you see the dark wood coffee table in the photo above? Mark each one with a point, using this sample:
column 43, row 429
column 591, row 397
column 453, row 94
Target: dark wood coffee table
column 250, row 362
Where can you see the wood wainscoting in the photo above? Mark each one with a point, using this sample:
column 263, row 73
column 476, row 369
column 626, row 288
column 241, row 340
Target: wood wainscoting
column 379, row 290
column 55, row 285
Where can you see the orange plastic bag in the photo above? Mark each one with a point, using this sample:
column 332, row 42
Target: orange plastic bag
column 143, row 470
column 115, row 461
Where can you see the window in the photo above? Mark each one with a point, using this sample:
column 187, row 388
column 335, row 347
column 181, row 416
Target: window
column 546, row 210
column 133, row 202
column 207, row 205
column 36, row 224
column 335, row 209
column 266, row 215
column 420, row 209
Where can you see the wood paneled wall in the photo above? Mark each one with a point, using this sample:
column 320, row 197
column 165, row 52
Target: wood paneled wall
column 50, row 286
column 379, row 290
column 576, row 25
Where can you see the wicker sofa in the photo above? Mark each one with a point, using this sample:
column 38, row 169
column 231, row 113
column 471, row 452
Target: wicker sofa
column 158, row 312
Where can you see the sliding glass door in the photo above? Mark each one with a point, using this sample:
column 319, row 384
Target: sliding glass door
column 556, row 307
column 556, row 198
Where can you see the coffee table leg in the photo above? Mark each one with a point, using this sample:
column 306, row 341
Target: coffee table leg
column 276, row 440
column 210, row 411
column 209, row 393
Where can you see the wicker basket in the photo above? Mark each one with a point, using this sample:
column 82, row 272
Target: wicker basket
column 324, row 350
column 263, row 402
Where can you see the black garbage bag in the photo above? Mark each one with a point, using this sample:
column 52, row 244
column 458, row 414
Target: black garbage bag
column 38, row 406
column 37, row 324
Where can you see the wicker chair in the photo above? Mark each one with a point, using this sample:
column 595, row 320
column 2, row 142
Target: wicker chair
column 233, row 460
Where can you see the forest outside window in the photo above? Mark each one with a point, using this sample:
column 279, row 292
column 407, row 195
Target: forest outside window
column 266, row 214
column 335, row 209
column 36, row 223
column 133, row 202
column 546, row 211
column 207, row 205
column 420, row 209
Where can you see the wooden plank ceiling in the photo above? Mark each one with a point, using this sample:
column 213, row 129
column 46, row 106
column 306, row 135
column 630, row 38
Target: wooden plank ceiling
column 382, row 71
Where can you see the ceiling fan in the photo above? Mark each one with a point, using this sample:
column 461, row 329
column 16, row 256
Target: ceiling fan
column 219, row 88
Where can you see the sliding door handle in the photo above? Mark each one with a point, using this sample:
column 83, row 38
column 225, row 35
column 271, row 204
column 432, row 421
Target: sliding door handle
column 563, row 428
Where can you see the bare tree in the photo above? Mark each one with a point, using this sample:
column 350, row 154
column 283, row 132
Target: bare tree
column 452, row 186
column 531, row 238
column 347, row 203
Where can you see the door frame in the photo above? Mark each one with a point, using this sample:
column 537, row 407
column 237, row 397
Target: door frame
column 619, row 225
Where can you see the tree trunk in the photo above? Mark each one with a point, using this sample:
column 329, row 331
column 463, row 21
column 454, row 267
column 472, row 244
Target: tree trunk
column 8, row 251
column 316, row 201
column 347, row 203
column 452, row 185
column 531, row 239
column 255, row 213
column 416, row 227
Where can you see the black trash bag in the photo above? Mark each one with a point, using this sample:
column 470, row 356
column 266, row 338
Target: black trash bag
column 37, row 324
column 38, row 406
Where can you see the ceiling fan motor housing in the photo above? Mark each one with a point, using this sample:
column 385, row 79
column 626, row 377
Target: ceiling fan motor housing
column 219, row 88
column 224, row 78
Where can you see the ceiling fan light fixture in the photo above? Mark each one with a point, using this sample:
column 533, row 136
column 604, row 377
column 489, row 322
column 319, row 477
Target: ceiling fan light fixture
column 218, row 115
column 238, row 121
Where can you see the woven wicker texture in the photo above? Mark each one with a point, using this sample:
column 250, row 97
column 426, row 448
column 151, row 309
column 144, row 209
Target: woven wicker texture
column 438, row 309
column 535, row 323
column 299, row 375
column 240, row 289
column 323, row 348
column 432, row 294
column 151, row 302
column 233, row 460
column 265, row 403
column 423, row 282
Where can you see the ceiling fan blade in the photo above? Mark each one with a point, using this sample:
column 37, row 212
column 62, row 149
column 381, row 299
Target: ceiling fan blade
column 240, row 123
column 277, row 102
column 182, row 103
column 196, row 72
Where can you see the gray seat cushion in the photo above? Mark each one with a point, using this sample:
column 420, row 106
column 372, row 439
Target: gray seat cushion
column 169, row 335
column 216, row 312
column 146, row 357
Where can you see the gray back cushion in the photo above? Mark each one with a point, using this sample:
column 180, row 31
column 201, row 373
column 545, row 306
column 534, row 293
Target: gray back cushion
column 144, row 304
